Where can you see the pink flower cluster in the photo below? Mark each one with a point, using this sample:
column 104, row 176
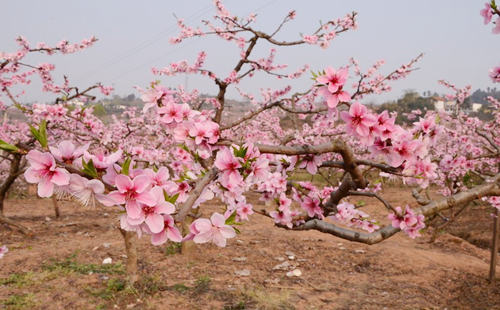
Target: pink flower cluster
column 352, row 217
column 332, row 90
column 487, row 13
column 407, row 221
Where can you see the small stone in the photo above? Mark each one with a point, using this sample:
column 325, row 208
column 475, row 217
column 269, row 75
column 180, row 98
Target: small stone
column 294, row 273
column 359, row 251
column 282, row 266
column 291, row 257
column 106, row 245
column 302, row 260
column 130, row 306
column 48, row 219
column 272, row 281
column 95, row 248
column 289, row 253
column 239, row 241
column 103, row 277
column 107, row 260
column 242, row 273
column 341, row 248
column 340, row 244
column 105, row 214
column 240, row 259
column 279, row 258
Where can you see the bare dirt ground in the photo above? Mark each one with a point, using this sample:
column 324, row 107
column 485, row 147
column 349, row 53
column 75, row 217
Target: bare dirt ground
column 61, row 267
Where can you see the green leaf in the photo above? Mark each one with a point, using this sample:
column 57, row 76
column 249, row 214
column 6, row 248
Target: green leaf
column 360, row 203
column 42, row 129
column 240, row 152
column 40, row 134
column 237, row 230
column 89, row 168
column 126, row 166
column 35, row 132
column 8, row 147
column 232, row 219
column 171, row 199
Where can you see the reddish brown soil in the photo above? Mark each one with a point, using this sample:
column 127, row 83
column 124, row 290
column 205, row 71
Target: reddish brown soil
column 399, row 273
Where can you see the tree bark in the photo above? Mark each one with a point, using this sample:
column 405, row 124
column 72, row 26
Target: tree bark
column 131, row 250
column 56, row 206
column 494, row 247
column 15, row 166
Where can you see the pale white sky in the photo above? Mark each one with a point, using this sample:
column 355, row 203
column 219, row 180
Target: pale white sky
column 133, row 37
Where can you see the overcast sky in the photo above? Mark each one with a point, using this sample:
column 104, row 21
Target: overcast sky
column 133, row 37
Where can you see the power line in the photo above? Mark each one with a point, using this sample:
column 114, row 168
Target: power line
column 177, row 48
column 134, row 50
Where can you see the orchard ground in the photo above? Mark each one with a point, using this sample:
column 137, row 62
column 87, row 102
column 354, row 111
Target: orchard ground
column 61, row 267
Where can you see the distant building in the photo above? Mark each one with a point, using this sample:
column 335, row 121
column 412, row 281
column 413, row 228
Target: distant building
column 441, row 104
column 476, row 107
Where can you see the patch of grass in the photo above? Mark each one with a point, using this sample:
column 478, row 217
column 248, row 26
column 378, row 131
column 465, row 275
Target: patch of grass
column 150, row 285
column 70, row 264
column 266, row 300
column 239, row 306
column 18, row 279
column 173, row 248
column 24, row 301
column 113, row 287
column 202, row 285
column 179, row 287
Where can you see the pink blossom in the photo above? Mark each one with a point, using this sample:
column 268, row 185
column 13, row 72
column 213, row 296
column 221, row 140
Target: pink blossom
column 67, row 152
column 86, row 190
column 171, row 112
column 358, row 119
column 310, row 163
column 228, row 164
column 160, row 177
column 169, row 232
column 282, row 217
column 333, row 79
column 495, row 74
column 311, row 205
column 486, row 13
column 244, row 210
column 214, row 230
column 333, row 99
column 43, row 170
column 284, row 202
column 102, row 161
column 496, row 29
column 132, row 193
column 152, row 215
column 408, row 222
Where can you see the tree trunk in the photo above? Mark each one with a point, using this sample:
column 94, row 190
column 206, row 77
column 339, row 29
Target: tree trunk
column 56, row 206
column 15, row 166
column 494, row 247
column 188, row 247
column 131, row 250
